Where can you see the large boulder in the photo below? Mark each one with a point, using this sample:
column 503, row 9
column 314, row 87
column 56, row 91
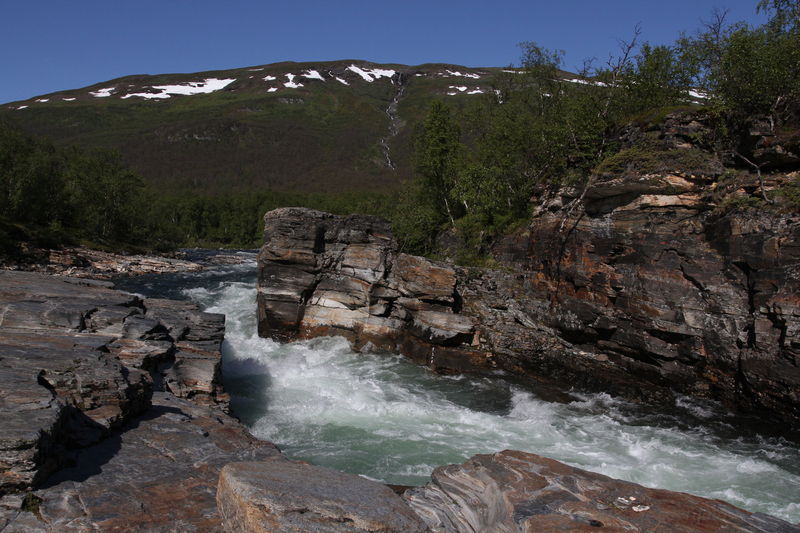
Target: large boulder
column 321, row 274
column 517, row 492
column 285, row 496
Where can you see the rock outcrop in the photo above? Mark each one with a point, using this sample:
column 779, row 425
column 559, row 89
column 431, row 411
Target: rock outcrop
column 158, row 472
column 516, row 492
column 79, row 359
column 321, row 274
column 286, row 496
column 643, row 289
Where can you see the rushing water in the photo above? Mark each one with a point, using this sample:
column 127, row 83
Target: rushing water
column 386, row 418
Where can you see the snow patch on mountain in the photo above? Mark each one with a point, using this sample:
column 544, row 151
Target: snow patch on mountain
column 340, row 80
column 291, row 83
column 208, row 85
column 43, row 100
column 69, row 99
column 372, row 74
column 272, row 89
column 270, row 78
column 313, row 75
column 103, row 93
column 463, row 75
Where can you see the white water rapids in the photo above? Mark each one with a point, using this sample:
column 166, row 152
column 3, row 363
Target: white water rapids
column 391, row 420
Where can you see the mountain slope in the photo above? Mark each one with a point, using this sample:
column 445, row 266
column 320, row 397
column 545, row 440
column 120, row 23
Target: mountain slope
column 325, row 126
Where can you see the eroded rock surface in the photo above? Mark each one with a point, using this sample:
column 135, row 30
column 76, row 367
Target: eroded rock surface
column 644, row 287
column 79, row 359
column 286, row 496
column 321, row 274
column 516, row 492
column 158, row 473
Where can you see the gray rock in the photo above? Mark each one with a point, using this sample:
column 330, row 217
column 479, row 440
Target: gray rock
column 285, row 496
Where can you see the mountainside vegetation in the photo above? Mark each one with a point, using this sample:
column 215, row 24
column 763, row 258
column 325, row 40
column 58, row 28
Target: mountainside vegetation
column 455, row 157
column 541, row 132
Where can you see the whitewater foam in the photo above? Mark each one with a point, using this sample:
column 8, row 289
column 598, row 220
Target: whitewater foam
column 383, row 417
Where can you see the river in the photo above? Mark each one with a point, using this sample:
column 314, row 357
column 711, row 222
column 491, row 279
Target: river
column 383, row 417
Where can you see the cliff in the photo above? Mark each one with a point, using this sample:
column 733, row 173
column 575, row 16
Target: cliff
column 653, row 280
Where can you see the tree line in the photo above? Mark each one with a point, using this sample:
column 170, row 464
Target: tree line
column 477, row 168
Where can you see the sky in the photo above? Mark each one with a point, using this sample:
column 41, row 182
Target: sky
column 51, row 45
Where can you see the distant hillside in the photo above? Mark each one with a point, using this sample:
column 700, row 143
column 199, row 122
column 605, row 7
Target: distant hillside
column 328, row 126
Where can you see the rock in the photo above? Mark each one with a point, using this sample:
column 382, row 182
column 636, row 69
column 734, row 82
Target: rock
column 285, row 496
column 517, row 492
column 158, row 473
column 321, row 274
column 86, row 263
column 646, row 292
column 78, row 360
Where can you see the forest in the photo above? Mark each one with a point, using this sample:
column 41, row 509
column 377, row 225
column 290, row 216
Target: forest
column 478, row 168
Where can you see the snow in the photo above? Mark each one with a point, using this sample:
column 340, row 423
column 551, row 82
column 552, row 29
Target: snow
column 515, row 71
column 102, row 93
column 206, row 86
column 372, row 74
column 270, row 78
column 418, row 74
column 272, row 89
column 291, row 84
column 147, row 96
column 43, row 100
column 68, row 99
column 697, row 94
column 464, row 75
column 340, row 80
column 313, row 75
column 22, row 107
column 462, row 89
column 255, row 69
column 587, row 82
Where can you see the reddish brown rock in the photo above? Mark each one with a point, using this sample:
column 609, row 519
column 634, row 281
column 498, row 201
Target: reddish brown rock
column 517, row 492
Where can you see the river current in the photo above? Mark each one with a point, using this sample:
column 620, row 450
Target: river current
column 383, row 417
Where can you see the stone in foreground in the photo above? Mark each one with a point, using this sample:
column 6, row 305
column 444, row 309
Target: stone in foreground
column 158, row 474
column 281, row 496
column 517, row 492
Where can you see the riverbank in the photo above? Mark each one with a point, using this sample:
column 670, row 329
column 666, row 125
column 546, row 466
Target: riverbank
column 146, row 456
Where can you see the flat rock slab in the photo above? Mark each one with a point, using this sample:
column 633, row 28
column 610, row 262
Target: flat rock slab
column 517, row 492
column 159, row 473
column 79, row 359
column 281, row 496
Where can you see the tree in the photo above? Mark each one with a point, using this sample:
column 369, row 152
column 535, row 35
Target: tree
column 438, row 156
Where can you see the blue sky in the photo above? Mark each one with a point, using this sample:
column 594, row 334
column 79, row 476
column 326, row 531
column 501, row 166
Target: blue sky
column 51, row 45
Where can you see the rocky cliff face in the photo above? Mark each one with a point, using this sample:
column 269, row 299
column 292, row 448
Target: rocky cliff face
column 321, row 274
column 645, row 288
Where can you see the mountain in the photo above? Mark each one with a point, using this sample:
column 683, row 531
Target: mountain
column 322, row 126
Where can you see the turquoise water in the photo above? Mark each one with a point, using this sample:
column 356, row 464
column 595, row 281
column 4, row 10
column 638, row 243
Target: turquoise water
column 391, row 420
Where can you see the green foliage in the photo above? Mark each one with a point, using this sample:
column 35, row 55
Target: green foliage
column 651, row 160
column 791, row 193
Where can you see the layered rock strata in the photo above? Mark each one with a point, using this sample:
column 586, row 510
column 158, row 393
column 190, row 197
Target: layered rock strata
column 516, row 492
column 643, row 291
column 321, row 274
column 79, row 360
